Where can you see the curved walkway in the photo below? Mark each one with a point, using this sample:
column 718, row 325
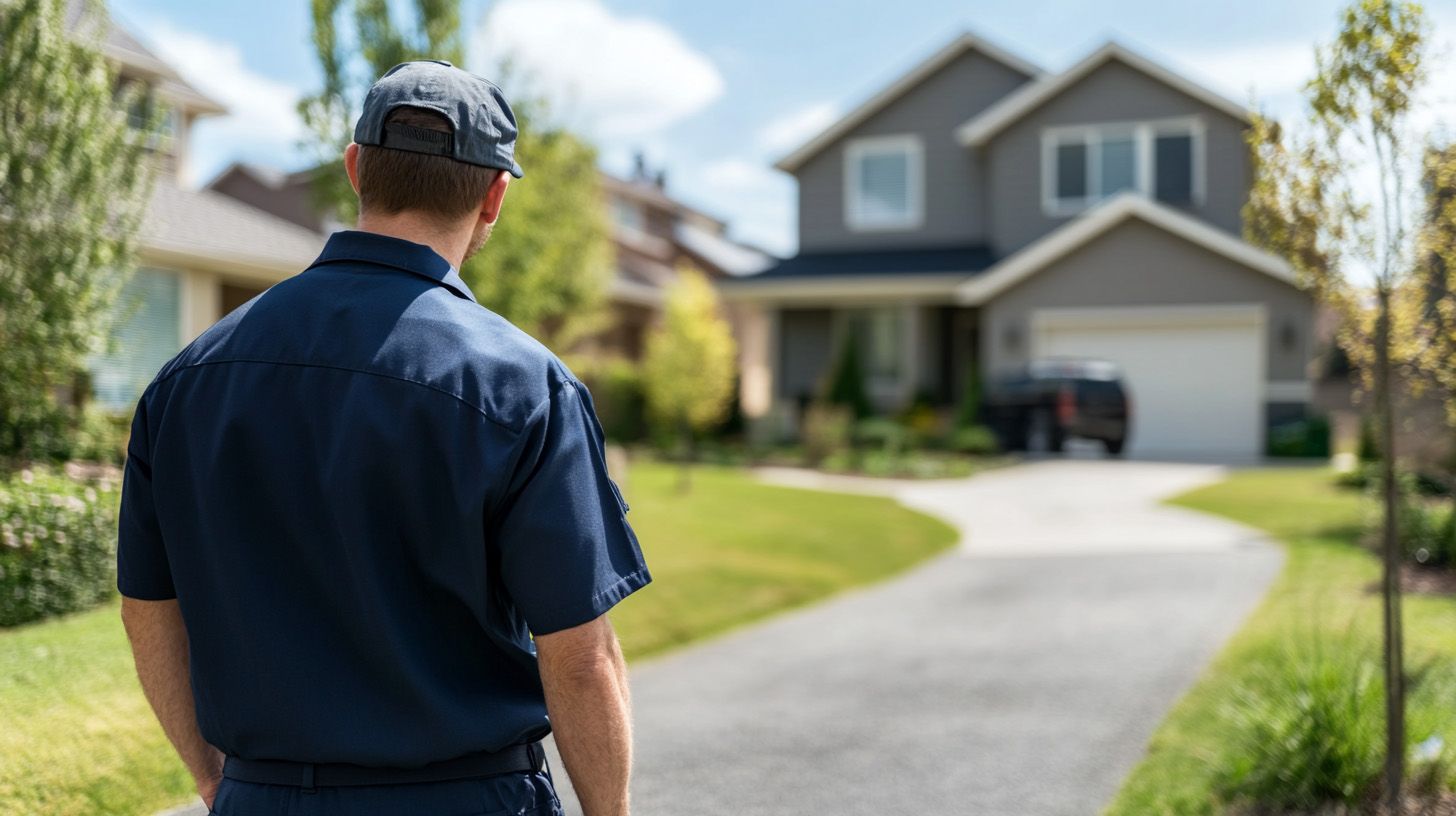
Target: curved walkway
column 1021, row 674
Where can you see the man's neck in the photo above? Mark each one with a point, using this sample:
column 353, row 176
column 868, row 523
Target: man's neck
column 450, row 245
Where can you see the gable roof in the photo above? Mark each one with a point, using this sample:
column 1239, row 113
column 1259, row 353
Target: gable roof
column 122, row 47
column 210, row 229
column 991, row 121
column 270, row 177
column 1101, row 219
column 909, row 81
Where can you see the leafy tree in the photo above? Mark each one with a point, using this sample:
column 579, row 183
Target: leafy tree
column 548, row 262
column 76, row 181
column 690, row 361
column 1308, row 204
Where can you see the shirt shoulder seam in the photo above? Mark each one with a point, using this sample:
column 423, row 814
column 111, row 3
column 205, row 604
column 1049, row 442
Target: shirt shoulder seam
column 382, row 374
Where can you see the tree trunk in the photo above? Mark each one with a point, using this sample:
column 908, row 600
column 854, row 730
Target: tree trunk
column 1391, row 549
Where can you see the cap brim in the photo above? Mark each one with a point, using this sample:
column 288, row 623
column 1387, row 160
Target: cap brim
column 516, row 169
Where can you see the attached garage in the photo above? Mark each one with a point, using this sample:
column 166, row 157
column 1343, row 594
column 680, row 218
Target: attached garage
column 1195, row 374
column 1213, row 335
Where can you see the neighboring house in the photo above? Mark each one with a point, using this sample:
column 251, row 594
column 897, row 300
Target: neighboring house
column 980, row 213
column 652, row 234
column 201, row 254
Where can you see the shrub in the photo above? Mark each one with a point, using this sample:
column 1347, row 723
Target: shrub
column 1305, row 438
column 57, row 545
column 1360, row 478
column 825, row 432
column 885, row 435
column 616, row 389
column 100, row 435
column 968, row 411
column 1368, row 448
column 847, row 383
column 1426, row 525
column 1426, row 532
column 976, row 440
column 922, row 422
column 1309, row 730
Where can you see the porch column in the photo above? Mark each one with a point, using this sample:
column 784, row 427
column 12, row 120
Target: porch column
column 755, row 356
column 201, row 303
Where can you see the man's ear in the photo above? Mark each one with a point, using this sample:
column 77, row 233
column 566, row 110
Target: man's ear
column 351, row 165
column 495, row 194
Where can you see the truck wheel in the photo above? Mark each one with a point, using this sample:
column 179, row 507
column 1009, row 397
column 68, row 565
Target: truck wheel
column 1042, row 433
column 1114, row 446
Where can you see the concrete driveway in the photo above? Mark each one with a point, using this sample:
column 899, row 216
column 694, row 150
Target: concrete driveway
column 1021, row 674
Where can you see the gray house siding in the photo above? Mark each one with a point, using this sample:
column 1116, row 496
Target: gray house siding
column 1111, row 93
column 1135, row 264
column 805, row 352
column 955, row 203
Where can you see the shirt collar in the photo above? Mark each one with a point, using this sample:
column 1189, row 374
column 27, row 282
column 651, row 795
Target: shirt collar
column 396, row 253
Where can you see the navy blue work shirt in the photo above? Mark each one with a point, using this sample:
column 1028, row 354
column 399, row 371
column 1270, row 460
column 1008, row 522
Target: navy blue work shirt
column 366, row 491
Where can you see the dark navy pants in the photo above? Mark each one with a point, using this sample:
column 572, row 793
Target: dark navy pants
column 514, row 794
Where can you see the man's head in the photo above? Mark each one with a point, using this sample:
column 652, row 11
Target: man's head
column 434, row 146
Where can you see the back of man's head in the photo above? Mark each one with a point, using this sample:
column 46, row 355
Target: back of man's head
column 438, row 188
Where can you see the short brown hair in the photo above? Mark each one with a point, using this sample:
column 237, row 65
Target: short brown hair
column 395, row 181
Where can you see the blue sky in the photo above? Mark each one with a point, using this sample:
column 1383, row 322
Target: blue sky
column 714, row 92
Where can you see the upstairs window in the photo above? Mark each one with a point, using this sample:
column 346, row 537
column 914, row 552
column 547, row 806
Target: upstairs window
column 628, row 216
column 884, row 180
column 1085, row 164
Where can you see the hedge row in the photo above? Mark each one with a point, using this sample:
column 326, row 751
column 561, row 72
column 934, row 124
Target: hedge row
column 57, row 544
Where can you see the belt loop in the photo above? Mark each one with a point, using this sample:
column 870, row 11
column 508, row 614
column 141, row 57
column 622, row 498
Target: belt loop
column 308, row 778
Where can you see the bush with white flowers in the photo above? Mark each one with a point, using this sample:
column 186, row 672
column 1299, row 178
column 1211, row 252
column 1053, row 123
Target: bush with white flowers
column 57, row 544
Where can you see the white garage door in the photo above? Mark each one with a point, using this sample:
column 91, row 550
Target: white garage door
column 1196, row 375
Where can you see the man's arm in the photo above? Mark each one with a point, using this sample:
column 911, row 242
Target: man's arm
column 159, row 646
column 585, row 679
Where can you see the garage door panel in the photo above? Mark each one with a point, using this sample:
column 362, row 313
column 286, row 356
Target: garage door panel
column 1196, row 389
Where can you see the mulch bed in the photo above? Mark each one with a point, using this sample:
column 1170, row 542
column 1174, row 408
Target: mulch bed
column 1416, row 580
column 1424, row 581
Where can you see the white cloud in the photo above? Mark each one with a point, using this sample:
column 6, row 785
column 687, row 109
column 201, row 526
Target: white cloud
column 1271, row 69
column 616, row 76
column 262, row 122
column 758, row 200
column 793, row 130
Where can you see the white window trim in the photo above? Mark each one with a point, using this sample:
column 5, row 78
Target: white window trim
column 914, row 151
column 1144, row 134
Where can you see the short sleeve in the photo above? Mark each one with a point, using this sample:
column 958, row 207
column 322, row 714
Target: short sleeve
column 141, row 560
column 567, row 552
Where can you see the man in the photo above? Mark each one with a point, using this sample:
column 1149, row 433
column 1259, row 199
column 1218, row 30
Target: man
column 350, row 505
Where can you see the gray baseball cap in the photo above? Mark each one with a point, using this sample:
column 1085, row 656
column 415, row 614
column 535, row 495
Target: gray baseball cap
column 485, row 128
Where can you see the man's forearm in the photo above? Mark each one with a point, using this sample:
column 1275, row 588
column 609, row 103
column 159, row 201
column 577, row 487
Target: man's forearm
column 590, row 711
column 159, row 647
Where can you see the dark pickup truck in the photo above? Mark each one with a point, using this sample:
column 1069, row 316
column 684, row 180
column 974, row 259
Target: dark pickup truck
column 1040, row 406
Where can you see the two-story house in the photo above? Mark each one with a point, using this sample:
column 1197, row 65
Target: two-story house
column 980, row 213
column 653, row 235
column 200, row 253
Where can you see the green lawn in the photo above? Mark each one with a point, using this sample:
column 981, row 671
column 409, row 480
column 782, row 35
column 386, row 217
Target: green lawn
column 77, row 737
column 1325, row 587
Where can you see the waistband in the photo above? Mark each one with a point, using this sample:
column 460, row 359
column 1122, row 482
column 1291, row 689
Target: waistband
column 308, row 775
